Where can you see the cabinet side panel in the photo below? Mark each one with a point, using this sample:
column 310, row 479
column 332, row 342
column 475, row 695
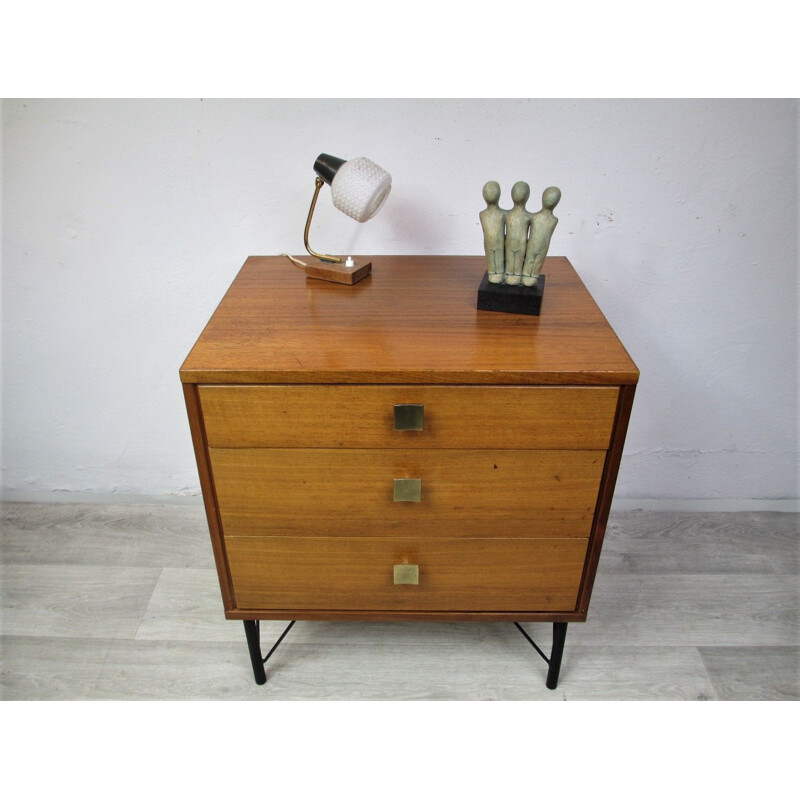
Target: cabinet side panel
column 196, row 426
column 606, row 495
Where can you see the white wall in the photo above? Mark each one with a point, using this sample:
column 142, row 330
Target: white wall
column 125, row 221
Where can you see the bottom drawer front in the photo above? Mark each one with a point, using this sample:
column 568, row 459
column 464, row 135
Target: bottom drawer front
column 359, row 573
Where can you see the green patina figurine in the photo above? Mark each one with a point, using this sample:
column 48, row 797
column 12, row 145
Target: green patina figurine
column 516, row 241
column 543, row 223
column 518, row 223
column 493, row 222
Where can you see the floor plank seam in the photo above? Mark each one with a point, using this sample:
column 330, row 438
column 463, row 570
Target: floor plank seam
column 708, row 676
column 143, row 615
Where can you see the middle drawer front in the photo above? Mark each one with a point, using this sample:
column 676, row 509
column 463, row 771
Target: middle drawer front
column 464, row 493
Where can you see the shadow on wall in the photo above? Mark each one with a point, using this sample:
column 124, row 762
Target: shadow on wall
column 416, row 231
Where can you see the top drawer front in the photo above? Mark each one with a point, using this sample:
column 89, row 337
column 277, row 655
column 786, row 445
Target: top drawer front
column 532, row 417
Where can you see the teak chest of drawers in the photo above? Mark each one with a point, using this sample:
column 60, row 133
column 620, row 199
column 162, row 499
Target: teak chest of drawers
column 386, row 451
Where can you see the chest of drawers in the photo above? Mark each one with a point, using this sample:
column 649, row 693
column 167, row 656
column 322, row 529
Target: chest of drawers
column 387, row 451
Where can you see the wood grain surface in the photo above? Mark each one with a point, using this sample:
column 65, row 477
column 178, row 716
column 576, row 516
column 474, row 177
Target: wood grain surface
column 200, row 444
column 454, row 416
column 414, row 320
column 454, row 574
column 291, row 391
column 540, row 493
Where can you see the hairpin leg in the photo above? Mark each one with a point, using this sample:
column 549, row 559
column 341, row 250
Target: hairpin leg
column 254, row 646
column 556, row 652
column 253, row 634
column 559, row 635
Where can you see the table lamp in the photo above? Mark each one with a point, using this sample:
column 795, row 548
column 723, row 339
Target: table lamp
column 359, row 187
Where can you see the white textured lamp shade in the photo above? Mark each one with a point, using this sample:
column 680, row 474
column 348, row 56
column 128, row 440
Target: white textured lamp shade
column 359, row 188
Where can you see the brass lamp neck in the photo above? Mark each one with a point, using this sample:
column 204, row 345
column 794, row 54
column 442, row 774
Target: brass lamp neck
column 333, row 259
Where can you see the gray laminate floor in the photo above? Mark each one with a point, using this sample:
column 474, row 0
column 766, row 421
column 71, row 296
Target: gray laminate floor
column 122, row 602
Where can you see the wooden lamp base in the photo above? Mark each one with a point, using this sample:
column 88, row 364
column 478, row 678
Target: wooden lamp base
column 339, row 273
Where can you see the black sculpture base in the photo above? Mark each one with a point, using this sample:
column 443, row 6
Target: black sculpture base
column 510, row 299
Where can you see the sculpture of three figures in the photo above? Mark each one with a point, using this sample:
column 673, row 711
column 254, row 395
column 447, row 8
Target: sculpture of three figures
column 516, row 241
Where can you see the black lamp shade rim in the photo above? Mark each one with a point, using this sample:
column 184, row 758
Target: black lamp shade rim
column 326, row 166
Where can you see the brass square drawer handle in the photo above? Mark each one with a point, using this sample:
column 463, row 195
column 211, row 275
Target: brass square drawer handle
column 409, row 417
column 407, row 490
column 406, row 574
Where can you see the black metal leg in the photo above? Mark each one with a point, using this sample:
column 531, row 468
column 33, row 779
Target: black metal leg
column 252, row 631
column 254, row 646
column 559, row 635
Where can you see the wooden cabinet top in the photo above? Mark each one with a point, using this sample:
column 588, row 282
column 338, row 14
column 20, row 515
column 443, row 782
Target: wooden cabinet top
column 414, row 320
